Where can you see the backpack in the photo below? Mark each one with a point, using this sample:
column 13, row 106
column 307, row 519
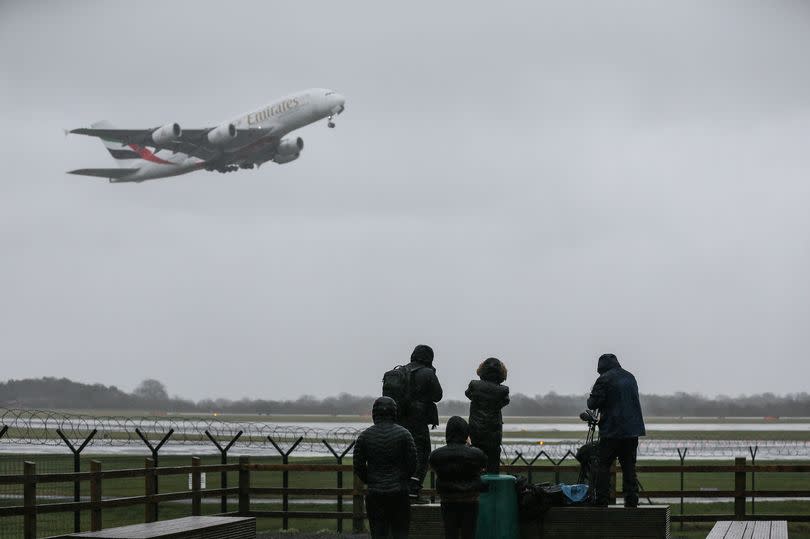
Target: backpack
column 535, row 500
column 396, row 384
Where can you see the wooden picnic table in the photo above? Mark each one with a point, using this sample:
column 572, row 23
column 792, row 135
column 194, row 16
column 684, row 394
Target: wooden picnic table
column 750, row 529
column 191, row 527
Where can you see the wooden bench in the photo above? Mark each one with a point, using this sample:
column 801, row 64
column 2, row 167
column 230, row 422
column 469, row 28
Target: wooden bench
column 751, row 529
column 188, row 527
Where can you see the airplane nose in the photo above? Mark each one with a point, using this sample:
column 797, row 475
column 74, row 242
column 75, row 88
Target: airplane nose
column 338, row 103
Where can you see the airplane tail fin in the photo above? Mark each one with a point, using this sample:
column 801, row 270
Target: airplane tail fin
column 115, row 174
column 121, row 153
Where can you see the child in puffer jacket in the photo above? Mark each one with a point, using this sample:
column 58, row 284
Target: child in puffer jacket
column 488, row 396
column 458, row 470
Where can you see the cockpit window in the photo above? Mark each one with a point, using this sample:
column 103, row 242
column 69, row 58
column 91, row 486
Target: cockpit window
column 328, row 93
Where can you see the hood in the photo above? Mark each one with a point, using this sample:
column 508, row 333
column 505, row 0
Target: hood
column 457, row 430
column 384, row 409
column 492, row 370
column 607, row 362
column 423, row 354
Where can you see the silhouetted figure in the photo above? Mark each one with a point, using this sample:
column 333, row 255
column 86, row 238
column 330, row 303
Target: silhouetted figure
column 420, row 411
column 615, row 395
column 385, row 459
column 488, row 396
column 458, row 470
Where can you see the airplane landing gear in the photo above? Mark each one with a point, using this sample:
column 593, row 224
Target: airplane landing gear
column 331, row 122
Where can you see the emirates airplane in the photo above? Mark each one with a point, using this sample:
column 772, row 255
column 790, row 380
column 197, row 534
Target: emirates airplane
column 244, row 142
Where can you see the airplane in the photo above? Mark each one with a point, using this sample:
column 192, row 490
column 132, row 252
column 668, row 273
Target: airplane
column 244, row 142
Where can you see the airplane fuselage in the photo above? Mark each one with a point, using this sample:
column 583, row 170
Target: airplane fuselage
column 258, row 136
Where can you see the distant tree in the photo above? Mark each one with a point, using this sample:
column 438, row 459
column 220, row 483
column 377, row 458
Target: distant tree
column 151, row 389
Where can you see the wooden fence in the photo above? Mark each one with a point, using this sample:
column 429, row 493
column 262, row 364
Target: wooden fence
column 244, row 491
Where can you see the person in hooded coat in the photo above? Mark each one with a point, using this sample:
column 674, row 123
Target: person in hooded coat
column 384, row 459
column 458, row 470
column 488, row 396
column 615, row 395
column 421, row 411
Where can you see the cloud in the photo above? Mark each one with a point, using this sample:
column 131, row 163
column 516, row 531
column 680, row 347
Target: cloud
column 542, row 184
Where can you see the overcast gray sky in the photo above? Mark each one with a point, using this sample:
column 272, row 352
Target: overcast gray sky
column 539, row 182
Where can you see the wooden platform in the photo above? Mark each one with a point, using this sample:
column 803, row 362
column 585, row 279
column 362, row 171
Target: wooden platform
column 616, row 522
column 188, row 527
column 760, row 529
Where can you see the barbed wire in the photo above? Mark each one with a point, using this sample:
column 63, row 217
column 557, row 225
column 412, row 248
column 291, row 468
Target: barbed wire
column 39, row 428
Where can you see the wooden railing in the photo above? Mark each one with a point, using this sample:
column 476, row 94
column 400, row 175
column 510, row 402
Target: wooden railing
column 244, row 491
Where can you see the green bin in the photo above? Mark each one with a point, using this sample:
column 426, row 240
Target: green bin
column 497, row 509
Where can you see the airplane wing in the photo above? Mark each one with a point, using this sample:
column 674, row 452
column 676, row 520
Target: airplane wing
column 193, row 142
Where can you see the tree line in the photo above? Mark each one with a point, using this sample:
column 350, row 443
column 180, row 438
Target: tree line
column 151, row 396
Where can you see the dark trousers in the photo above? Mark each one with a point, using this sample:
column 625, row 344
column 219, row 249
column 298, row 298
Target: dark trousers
column 460, row 519
column 421, row 438
column 388, row 514
column 490, row 444
column 625, row 450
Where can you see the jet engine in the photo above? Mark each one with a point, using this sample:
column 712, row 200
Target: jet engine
column 222, row 135
column 167, row 133
column 289, row 149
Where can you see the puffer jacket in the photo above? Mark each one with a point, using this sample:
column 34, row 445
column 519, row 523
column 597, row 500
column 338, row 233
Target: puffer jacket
column 384, row 455
column 457, row 465
column 615, row 395
column 426, row 391
column 487, row 399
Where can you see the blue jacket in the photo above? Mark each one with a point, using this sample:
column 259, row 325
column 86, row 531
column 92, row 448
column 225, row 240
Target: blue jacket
column 615, row 395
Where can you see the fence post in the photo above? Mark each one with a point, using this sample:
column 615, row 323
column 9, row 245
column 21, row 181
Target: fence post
column 196, row 499
column 95, row 496
column 77, row 467
column 739, row 489
column 753, row 451
column 682, row 457
column 3, row 431
column 339, row 459
column 285, row 479
column 223, row 459
column 244, row 486
column 30, row 500
column 357, row 505
column 154, row 450
column 149, row 485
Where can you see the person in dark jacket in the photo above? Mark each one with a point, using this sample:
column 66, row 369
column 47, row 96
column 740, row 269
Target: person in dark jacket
column 458, row 470
column 385, row 459
column 421, row 411
column 615, row 395
column 488, row 396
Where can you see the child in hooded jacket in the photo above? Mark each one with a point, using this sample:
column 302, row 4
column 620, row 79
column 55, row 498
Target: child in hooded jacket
column 458, row 469
column 488, row 396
